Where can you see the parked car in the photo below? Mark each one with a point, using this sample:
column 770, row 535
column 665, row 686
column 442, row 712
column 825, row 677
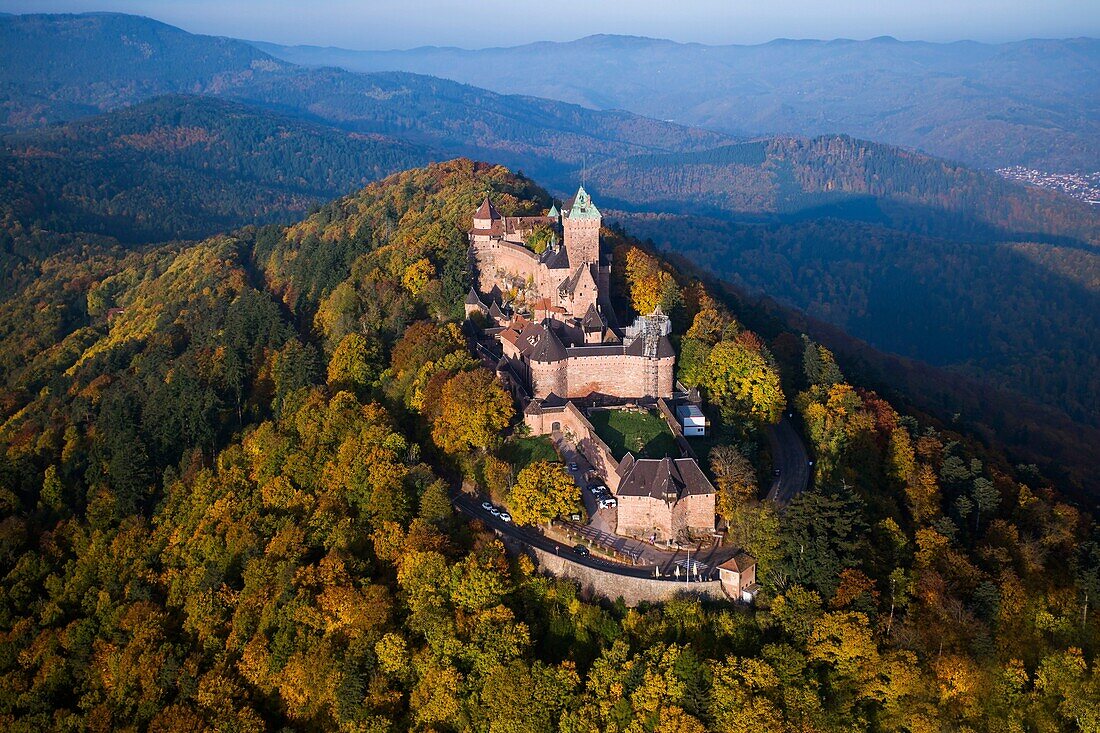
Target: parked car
column 572, row 468
column 601, row 489
column 494, row 511
column 505, row 517
column 608, row 501
column 486, row 506
column 581, row 550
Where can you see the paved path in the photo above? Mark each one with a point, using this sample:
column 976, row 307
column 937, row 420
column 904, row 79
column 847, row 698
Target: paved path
column 790, row 457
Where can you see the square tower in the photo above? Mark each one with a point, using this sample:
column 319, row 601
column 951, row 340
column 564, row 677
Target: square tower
column 582, row 230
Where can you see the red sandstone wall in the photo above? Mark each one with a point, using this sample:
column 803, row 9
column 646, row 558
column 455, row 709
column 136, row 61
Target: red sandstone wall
column 695, row 513
column 571, row 419
column 639, row 515
column 582, row 239
column 493, row 258
column 622, row 376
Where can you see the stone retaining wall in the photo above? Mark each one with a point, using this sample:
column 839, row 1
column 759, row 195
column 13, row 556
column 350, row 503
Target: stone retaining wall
column 632, row 590
column 542, row 421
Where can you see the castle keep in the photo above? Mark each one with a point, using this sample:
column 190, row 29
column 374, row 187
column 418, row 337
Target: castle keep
column 555, row 322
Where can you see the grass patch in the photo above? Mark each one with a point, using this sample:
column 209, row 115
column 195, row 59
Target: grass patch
column 645, row 434
column 521, row 452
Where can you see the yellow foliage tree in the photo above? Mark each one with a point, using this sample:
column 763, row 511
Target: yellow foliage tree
column 418, row 275
column 740, row 380
column 474, row 408
column 543, row 491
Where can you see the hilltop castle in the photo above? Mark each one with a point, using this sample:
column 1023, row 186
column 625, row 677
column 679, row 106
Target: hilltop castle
column 551, row 312
column 542, row 292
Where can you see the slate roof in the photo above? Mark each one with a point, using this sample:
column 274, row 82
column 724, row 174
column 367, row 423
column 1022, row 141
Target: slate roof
column 592, row 320
column 669, row 479
column 739, row 563
column 570, row 284
column 495, row 311
column 555, row 258
column 473, row 299
column 664, row 347
column 538, row 343
column 487, row 210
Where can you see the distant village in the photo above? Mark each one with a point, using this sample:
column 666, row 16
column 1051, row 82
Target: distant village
column 1081, row 186
column 548, row 328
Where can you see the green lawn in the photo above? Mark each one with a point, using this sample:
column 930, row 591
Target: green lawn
column 520, row 452
column 644, row 434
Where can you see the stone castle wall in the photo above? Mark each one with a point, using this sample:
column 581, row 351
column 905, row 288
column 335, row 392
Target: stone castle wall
column 631, row 589
column 495, row 260
column 582, row 239
column 641, row 516
column 570, row 418
column 619, row 375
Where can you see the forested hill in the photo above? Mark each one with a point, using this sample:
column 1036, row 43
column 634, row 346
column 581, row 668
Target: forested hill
column 841, row 177
column 183, row 167
column 1032, row 102
column 57, row 67
column 914, row 255
column 102, row 61
column 224, row 504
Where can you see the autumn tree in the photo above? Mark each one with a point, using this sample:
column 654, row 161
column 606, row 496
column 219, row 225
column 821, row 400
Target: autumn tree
column 543, row 491
column 736, row 479
column 474, row 409
column 355, row 364
column 741, row 381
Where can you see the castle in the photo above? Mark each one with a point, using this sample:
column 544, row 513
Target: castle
column 551, row 312
column 541, row 291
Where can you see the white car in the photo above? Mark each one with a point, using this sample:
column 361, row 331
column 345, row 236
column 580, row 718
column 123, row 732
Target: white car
column 494, row 511
column 486, row 506
column 608, row 501
column 505, row 517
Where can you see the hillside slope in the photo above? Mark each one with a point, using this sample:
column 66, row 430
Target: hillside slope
column 841, row 177
column 217, row 516
column 184, row 167
column 1034, row 102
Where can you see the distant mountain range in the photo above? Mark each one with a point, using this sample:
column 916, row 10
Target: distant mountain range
column 60, row 67
column 925, row 258
column 1034, row 102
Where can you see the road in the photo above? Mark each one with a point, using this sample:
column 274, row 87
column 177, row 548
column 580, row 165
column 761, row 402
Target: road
column 788, row 453
column 666, row 562
column 789, row 456
column 471, row 506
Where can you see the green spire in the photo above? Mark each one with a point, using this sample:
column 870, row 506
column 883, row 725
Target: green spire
column 553, row 213
column 583, row 208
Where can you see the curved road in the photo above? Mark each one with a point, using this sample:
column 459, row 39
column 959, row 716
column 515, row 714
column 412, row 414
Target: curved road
column 790, row 458
column 471, row 506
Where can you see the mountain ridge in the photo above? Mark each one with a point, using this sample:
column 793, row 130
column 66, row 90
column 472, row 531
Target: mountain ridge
column 1012, row 88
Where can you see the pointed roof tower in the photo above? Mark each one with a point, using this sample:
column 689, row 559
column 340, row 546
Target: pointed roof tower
column 583, row 208
column 553, row 213
column 487, row 210
column 472, row 298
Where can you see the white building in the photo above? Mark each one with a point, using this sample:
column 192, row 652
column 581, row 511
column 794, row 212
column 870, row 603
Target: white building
column 692, row 420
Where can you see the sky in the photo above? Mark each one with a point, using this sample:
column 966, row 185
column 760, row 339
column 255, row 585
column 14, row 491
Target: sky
column 386, row 24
